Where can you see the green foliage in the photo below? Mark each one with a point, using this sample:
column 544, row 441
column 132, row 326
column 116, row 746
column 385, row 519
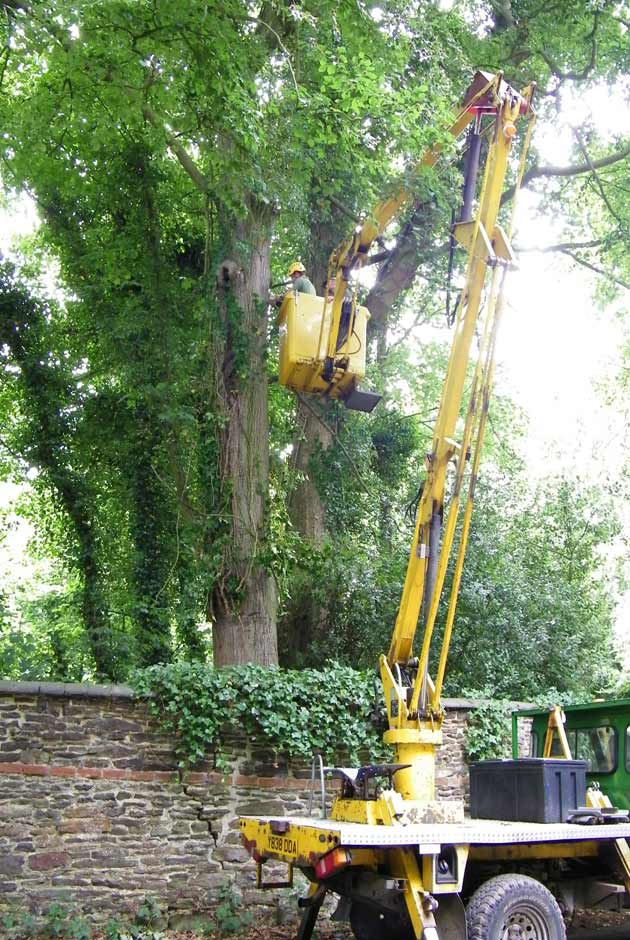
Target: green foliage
column 327, row 711
column 488, row 729
column 129, row 376
column 56, row 920
column 118, row 395
column 357, row 592
column 48, row 642
column 121, row 930
column 229, row 918
column 141, row 927
column 535, row 608
column 395, row 439
column 60, row 921
column 19, row 926
column 114, row 929
column 149, row 912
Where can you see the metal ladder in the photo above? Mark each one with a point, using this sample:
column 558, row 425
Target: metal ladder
column 319, row 764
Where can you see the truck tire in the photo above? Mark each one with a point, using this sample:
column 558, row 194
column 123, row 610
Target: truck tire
column 514, row 907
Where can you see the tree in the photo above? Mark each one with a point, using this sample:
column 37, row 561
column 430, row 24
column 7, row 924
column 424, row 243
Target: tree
column 178, row 157
column 576, row 54
column 162, row 147
column 46, row 396
column 535, row 608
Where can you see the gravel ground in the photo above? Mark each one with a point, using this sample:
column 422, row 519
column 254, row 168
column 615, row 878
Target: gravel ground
column 604, row 925
column 586, row 926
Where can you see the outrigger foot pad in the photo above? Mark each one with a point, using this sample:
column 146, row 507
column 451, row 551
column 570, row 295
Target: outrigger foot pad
column 362, row 401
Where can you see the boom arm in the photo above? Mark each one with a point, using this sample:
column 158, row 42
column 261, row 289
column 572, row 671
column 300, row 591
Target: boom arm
column 412, row 698
column 319, row 361
column 482, row 97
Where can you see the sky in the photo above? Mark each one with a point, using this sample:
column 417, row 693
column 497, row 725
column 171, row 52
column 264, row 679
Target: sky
column 555, row 351
column 557, row 355
column 557, row 348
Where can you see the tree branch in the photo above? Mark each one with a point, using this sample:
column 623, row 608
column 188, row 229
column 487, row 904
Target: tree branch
column 344, row 209
column 378, row 257
column 182, row 155
column 16, row 5
column 588, row 68
column 420, row 319
column 255, row 19
column 11, row 451
column 597, row 179
column 400, row 265
column 593, row 267
column 6, row 54
column 538, row 172
column 563, row 246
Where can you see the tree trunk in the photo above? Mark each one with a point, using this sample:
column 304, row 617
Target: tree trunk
column 23, row 322
column 306, row 615
column 244, row 602
column 306, row 509
column 397, row 273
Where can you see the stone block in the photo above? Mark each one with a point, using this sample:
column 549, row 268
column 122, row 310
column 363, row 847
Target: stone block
column 48, row 860
column 231, row 853
column 261, row 807
column 11, row 864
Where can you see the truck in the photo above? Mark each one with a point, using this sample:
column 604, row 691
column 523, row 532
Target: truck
column 403, row 863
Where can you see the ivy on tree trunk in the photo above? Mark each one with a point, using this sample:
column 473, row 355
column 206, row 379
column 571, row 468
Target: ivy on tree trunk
column 244, row 600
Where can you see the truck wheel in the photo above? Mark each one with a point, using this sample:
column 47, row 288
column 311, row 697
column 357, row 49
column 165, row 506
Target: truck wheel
column 514, row 907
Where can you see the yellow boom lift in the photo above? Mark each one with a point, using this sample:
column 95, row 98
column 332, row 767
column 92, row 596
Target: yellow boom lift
column 401, row 861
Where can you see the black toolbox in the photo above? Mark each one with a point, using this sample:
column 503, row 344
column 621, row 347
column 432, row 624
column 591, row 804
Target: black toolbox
column 536, row 789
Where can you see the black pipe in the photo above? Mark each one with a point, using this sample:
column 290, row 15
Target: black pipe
column 434, row 554
column 471, row 170
column 435, row 531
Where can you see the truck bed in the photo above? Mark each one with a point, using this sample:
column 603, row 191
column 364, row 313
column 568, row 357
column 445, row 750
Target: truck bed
column 468, row 832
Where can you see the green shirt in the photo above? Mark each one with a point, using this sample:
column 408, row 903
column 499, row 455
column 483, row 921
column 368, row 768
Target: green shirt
column 303, row 285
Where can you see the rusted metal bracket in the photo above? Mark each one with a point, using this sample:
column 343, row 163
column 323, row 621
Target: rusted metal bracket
column 267, row 885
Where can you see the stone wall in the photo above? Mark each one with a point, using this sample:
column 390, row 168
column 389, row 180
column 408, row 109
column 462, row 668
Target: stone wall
column 94, row 810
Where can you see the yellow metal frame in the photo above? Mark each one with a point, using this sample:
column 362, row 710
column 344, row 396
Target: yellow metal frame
column 599, row 800
column 413, row 709
column 555, row 727
column 415, row 719
column 487, row 95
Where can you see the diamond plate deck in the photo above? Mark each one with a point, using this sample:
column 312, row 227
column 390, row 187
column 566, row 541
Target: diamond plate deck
column 470, row 832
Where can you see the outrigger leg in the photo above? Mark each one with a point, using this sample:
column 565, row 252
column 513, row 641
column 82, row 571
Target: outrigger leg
column 311, row 904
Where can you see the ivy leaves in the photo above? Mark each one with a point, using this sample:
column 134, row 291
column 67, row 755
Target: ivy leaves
column 299, row 713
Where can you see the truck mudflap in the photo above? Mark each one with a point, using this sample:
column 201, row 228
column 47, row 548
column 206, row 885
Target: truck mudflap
column 450, row 918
